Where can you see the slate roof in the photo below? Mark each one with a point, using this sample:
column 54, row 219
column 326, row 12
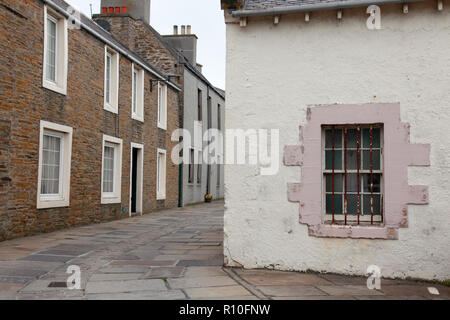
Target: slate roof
column 257, row 7
column 107, row 35
column 268, row 4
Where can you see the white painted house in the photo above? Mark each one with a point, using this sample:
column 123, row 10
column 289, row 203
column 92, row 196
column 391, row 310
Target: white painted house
column 361, row 97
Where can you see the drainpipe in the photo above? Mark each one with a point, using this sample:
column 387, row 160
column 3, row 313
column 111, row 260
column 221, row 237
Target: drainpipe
column 208, row 112
column 180, row 185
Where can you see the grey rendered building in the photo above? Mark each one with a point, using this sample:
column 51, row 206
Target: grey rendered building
column 204, row 108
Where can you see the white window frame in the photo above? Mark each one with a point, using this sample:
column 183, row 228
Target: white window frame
column 61, row 54
column 115, row 196
column 364, row 218
column 161, row 175
column 113, row 104
column 137, row 114
column 63, row 198
column 162, row 106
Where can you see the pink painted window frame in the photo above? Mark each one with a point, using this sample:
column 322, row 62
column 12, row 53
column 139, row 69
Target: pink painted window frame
column 399, row 153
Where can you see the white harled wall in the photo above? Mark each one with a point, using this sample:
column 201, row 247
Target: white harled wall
column 275, row 72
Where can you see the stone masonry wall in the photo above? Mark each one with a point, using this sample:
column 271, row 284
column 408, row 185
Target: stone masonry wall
column 24, row 102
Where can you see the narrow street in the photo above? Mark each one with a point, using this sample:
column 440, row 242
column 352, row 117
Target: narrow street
column 173, row 254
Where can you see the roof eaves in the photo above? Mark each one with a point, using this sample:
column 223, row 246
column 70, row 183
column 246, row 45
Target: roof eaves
column 319, row 6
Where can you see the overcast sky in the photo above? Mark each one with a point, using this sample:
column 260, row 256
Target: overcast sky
column 207, row 22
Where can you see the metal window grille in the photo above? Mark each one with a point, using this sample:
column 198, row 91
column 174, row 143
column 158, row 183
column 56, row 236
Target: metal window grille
column 353, row 174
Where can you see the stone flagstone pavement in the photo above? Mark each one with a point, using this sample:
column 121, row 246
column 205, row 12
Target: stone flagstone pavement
column 172, row 254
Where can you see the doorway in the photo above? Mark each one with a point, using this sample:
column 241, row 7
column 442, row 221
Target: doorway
column 136, row 178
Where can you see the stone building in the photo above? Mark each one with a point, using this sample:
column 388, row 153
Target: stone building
column 85, row 122
column 203, row 105
column 360, row 96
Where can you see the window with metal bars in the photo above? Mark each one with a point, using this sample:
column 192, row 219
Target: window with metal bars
column 353, row 174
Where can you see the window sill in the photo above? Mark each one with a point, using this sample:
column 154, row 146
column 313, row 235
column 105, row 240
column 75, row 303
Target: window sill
column 137, row 118
column 161, row 197
column 54, row 87
column 48, row 204
column 162, row 126
column 111, row 200
column 110, row 108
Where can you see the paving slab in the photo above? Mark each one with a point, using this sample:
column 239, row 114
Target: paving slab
column 15, row 280
column 10, row 287
column 201, row 282
column 68, row 253
column 349, row 290
column 217, row 292
column 43, row 285
column 21, row 272
column 125, row 269
column 142, row 295
column 125, row 286
column 115, row 276
column 164, row 272
column 415, row 290
column 189, row 263
column 204, row 271
column 47, row 258
column 290, row 291
column 149, row 263
column 285, row 278
column 8, row 295
column 189, row 257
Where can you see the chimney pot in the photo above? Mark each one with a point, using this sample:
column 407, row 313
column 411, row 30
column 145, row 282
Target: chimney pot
column 137, row 9
column 189, row 28
column 175, row 30
column 183, row 29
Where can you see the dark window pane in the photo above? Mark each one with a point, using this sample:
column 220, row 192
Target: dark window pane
column 376, row 204
column 337, row 183
column 329, row 160
column 351, row 138
column 337, row 138
column 352, row 160
column 376, row 183
column 352, row 204
column 328, row 143
column 337, row 204
column 352, row 182
column 376, row 138
column 375, row 159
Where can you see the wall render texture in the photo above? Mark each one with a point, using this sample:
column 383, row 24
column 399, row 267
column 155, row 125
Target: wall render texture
column 275, row 72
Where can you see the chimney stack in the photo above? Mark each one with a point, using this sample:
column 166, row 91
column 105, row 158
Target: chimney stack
column 184, row 41
column 138, row 9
